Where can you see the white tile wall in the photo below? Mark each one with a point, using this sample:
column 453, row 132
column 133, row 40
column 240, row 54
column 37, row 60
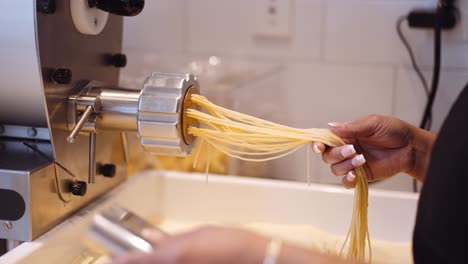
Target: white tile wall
column 320, row 93
column 158, row 28
column 410, row 96
column 306, row 35
column 360, row 31
column 343, row 59
column 228, row 27
column 218, row 27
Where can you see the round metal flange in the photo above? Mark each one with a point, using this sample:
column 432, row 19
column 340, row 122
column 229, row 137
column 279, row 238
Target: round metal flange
column 162, row 125
column 187, row 121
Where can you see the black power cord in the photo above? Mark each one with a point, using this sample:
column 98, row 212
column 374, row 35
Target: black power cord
column 416, row 68
column 427, row 120
column 436, row 71
column 427, row 116
column 410, row 51
column 445, row 16
column 444, row 10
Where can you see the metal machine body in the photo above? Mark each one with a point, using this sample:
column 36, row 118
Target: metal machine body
column 62, row 121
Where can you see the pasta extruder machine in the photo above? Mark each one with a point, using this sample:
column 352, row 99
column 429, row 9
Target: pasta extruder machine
column 62, row 116
column 62, row 145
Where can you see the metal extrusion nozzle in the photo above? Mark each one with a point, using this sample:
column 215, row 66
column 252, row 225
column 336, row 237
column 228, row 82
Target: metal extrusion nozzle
column 162, row 123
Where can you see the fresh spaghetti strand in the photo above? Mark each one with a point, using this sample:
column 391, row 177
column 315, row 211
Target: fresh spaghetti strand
column 253, row 139
column 207, row 166
column 308, row 164
column 195, row 160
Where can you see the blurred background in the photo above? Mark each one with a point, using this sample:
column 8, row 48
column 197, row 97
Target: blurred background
column 302, row 63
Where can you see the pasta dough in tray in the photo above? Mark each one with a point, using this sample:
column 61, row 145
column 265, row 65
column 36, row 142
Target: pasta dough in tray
column 252, row 139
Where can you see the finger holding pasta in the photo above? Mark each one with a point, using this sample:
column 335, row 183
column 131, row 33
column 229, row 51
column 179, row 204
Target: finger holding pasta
column 338, row 154
column 318, row 147
column 349, row 180
column 253, row 139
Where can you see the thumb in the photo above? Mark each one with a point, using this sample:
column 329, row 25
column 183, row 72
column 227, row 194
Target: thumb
column 155, row 235
column 363, row 127
column 136, row 258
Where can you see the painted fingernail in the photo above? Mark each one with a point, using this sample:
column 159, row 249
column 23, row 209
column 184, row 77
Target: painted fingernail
column 351, row 176
column 316, row 149
column 152, row 234
column 347, row 151
column 147, row 233
column 359, row 160
column 335, row 124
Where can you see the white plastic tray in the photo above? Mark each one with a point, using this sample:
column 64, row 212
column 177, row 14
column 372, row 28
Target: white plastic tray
column 227, row 200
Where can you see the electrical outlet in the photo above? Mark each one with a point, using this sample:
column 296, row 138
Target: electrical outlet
column 273, row 18
column 460, row 33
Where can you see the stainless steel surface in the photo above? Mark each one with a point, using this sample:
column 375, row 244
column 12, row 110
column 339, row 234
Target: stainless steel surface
column 92, row 158
column 44, row 188
column 16, row 176
column 84, row 117
column 13, row 131
column 62, row 46
column 33, row 108
column 22, row 100
column 160, row 113
column 119, row 109
column 8, row 225
column 39, row 113
column 119, row 230
column 157, row 113
column 32, row 132
column 12, row 244
column 12, row 151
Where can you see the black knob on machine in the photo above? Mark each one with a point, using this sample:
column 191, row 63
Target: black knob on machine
column 45, row 6
column 119, row 60
column 62, row 76
column 119, row 7
column 78, row 188
column 107, row 170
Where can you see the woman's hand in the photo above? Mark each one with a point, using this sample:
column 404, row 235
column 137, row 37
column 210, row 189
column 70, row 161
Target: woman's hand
column 386, row 146
column 207, row 245
column 215, row 245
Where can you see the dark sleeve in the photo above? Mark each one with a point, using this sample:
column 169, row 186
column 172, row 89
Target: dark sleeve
column 441, row 231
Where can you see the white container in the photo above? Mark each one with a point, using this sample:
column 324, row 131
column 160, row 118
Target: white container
column 186, row 198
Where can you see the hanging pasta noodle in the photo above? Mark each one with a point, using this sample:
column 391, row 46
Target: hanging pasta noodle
column 252, row 139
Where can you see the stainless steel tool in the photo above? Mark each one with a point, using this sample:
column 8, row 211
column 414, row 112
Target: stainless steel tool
column 63, row 117
column 119, row 230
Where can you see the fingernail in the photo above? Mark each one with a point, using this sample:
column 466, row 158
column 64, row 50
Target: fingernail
column 359, row 160
column 335, row 124
column 147, row 233
column 347, row 151
column 316, row 149
column 351, row 176
column 152, row 234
